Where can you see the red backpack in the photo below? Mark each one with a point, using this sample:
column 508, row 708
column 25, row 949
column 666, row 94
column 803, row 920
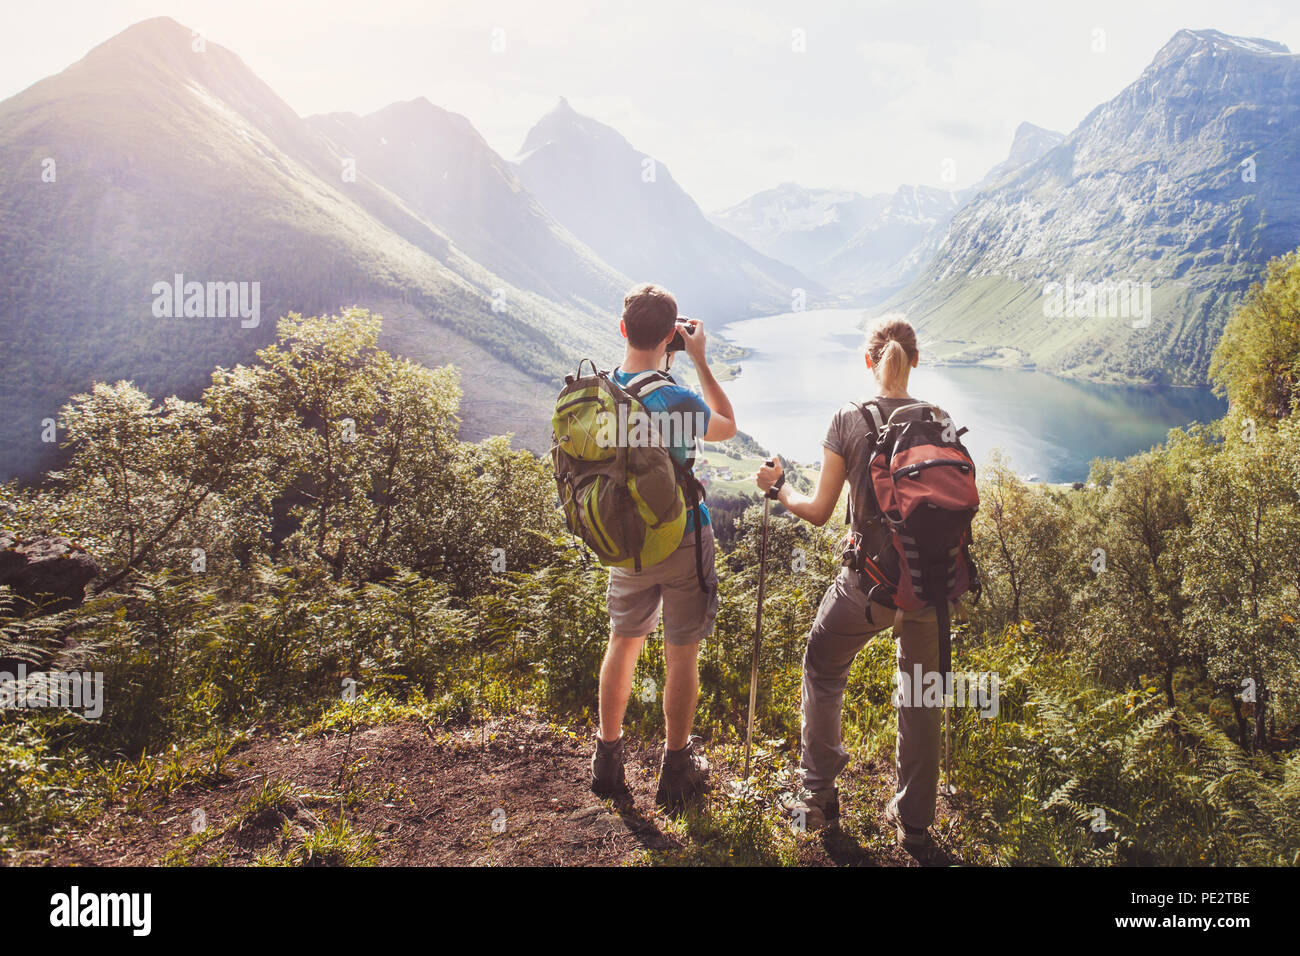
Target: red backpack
column 921, row 482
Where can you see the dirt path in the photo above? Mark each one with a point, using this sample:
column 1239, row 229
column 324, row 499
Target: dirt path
column 412, row 796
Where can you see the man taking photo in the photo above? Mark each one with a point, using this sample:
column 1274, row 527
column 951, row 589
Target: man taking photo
column 683, row 586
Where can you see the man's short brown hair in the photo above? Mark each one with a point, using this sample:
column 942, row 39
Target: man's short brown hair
column 649, row 314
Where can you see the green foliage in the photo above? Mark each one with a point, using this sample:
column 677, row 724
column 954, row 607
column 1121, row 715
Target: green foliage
column 1256, row 364
column 328, row 452
column 1070, row 773
column 1243, row 549
column 551, row 626
column 741, row 825
column 39, row 786
column 336, row 843
column 1131, row 605
column 1026, row 547
column 309, row 544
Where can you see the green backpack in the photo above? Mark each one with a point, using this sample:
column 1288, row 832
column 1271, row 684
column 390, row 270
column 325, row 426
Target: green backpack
column 623, row 495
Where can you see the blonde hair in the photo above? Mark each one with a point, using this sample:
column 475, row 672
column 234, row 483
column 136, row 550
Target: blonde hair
column 891, row 345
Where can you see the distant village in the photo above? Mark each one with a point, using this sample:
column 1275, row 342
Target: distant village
column 709, row 473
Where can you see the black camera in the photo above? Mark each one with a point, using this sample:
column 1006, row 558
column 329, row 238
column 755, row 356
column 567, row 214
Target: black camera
column 678, row 342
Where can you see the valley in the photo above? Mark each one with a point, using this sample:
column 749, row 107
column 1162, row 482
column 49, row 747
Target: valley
column 513, row 269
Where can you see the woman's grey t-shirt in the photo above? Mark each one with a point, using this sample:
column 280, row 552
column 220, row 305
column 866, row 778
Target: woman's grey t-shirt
column 850, row 437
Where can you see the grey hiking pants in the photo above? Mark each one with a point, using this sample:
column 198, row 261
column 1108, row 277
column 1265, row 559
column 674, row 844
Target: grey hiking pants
column 839, row 632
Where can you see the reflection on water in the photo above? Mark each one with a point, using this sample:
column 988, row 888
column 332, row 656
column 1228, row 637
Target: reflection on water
column 803, row 366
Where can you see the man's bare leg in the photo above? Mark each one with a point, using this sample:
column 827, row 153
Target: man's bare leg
column 616, row 683
column 681, row 692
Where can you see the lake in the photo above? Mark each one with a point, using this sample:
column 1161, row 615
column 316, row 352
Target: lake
column 803, row 366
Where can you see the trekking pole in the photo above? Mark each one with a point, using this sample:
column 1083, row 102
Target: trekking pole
column 948, row 788
column 945, row 656
column 758, row 627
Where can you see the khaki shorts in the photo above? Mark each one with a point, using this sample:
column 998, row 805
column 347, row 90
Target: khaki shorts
column 634, row 597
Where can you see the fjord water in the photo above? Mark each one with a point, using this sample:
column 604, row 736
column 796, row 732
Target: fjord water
column 802, row 366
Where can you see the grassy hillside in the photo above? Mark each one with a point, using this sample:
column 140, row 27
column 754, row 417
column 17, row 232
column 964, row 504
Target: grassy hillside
column 999, row 321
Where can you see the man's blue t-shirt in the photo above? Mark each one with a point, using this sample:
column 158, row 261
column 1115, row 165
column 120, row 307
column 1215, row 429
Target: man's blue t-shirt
column 688, row 404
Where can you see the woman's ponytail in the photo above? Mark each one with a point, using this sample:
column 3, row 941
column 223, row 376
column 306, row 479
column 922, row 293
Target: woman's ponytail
column 891, row 346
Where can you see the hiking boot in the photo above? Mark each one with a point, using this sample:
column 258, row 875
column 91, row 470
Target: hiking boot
column 607, row 778
column 909, row 837
column 683, row 777
column 814, row 810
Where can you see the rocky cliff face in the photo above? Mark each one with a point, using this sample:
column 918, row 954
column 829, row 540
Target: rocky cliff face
column 1184, row 184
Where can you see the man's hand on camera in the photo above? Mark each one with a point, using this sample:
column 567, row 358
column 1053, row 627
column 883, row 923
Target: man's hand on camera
column 693, row 336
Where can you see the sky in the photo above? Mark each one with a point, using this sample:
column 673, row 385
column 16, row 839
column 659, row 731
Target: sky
column 734, row 97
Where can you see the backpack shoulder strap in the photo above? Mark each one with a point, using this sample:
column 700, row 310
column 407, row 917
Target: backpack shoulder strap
column 875, row 425
column 643, row 383
column 872, row 413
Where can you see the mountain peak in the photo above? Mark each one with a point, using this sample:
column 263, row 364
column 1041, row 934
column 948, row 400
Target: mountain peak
column 415, row 118
column 1148, row 187
column 1187, row 43
column 1029, row 143
column 1255, row 45
column 161, row 51
column 1028, row 129
column 162, row 26
column 149, row 37
column 565, row 124
column 594, row 182
column 162, row 65
column 562, row 112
